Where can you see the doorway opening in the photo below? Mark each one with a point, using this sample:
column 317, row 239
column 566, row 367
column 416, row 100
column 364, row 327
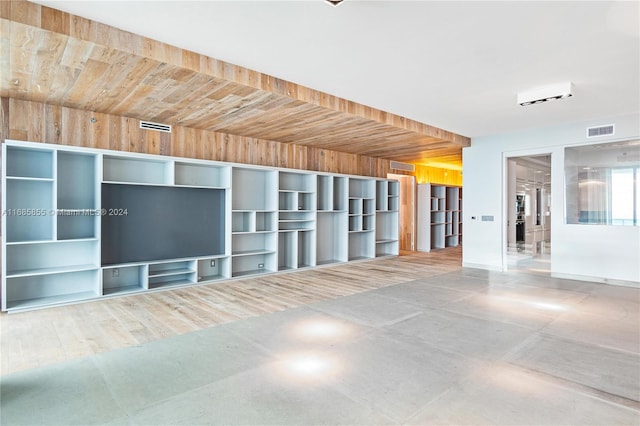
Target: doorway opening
column 407, row 211
column 529, row 214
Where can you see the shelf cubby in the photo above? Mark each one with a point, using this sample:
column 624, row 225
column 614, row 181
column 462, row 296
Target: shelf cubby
column 213, row 269
column 331, row 247
column 382, row 195
column 252, row 221
column 332, row 193
column 452, row 198
column 386, row 248
column 265, row 221
column 171, row 273
column 76, row 198
column 394, row 188
column 355, row 223
column 362, row 188
column 361, row 245
column 306, row 201
column 368, row 206
column 258, row 263
column 451, row 241
column 202, row 175
column 288, row 201
column 355, row 206
column 394, row 203
column 340, row 193
column 438, row 217
column 30, row 292
column 40, row 257
column 124, row 279
column 243, row 221
column 325, row 193
column 29, row 163
column 118, row 169
column 300, row 182
column 287, row 251
column 306, row 249
column 28, row 210
column 296, row 220
column 368, row 222
column 253, row 243
column 254, row 189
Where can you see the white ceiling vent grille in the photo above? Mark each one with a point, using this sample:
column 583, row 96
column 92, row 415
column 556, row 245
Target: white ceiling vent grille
column 158, row 127
column 396, row 165
column 593, row 132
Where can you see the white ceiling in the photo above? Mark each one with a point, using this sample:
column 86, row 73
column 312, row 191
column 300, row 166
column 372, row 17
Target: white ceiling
column 454, row 65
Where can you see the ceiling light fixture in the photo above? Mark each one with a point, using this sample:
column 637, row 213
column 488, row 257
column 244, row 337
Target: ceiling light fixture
column 544, row 94
column 334, row 2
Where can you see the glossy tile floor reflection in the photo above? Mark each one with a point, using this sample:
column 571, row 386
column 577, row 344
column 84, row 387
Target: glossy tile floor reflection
column 466, row 347
column 530, row 259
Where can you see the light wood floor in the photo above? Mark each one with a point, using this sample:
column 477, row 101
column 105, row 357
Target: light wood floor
column 33, row 339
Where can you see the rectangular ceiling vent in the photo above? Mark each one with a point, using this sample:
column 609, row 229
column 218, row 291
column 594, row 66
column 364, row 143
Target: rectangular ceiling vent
column 158, row 127
column 396, row 165
column 593, row 132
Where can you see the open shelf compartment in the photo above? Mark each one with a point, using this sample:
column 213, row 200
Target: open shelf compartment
column 172, row 273
column 123, row 279
column 31, row 292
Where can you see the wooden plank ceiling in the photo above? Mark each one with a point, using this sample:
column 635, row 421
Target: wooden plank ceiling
column 56, row 58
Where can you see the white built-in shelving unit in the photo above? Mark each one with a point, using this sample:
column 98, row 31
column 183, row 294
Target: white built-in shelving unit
column 439, row 216
column 362, row 218
column 271, row 220
column 387, row 207
column 332, row 219
column 254, row 230
column 296, row 220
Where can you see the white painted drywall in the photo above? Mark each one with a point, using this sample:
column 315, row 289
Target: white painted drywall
column 594, row 252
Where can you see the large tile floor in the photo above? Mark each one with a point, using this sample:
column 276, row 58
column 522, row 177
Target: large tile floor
column 464, row 347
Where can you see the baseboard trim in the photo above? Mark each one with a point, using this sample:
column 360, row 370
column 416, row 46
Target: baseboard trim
column 482, row 266
column 609, row 281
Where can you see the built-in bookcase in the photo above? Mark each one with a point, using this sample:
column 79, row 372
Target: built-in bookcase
column 55, row 229
column 332, row 219
column 439, row 216
column 296, row 220
column 254, row 228
column 362, row 218
column 51, row 247
column 387, row 207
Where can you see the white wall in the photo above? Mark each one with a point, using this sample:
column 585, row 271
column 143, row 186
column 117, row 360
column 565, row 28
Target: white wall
column 594, row 252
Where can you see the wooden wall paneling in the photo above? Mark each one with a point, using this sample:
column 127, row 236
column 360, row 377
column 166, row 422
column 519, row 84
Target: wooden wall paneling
column 407, row 213
column 23, row 12
column 4, row 119
column 5, row 53
column 18, row 124
column 38, row 122
column 55, row 20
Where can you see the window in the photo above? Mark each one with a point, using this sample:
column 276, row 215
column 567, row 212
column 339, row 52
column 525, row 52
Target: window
column 603, row 184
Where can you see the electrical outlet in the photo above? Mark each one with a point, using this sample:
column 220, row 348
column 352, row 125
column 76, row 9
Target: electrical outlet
column 115, row 273
column 260, row 265
column 213, row 263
